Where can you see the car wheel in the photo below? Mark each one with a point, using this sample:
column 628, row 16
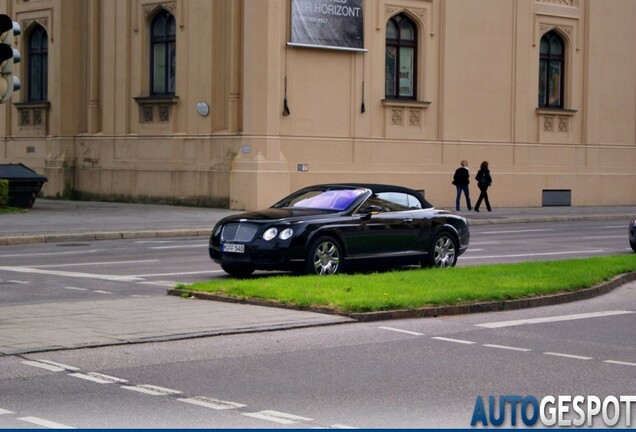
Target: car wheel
column 633, row 244
column 324, row 257
column 239, row 271
column 443, row 251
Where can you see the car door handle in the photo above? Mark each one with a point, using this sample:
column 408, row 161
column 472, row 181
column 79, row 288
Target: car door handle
column 407, row 220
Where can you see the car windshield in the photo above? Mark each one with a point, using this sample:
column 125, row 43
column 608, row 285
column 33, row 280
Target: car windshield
column 333, row 199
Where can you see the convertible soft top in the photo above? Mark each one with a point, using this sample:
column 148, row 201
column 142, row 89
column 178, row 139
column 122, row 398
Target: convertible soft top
column 377, row 188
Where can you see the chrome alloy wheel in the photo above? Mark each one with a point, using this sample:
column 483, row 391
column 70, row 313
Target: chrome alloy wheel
column 444, row 253
column 326, row 258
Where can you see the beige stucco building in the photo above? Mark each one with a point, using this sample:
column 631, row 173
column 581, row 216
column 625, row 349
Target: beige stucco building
column 251, row 118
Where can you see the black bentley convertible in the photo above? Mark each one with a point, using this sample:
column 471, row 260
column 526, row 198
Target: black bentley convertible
column 326, row 229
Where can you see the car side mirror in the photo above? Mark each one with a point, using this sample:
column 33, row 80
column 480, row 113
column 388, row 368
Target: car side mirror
column 370, row 211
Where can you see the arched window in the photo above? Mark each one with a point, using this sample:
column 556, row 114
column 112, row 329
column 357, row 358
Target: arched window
column 551, row 71
column 401, row 58
column 38, row 69
column 162, row 54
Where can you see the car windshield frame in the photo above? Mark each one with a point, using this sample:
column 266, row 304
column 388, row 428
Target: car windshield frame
column 323, row 199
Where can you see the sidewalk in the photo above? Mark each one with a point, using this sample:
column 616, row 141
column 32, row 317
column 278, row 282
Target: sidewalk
column 31, row 328
column 53, row 221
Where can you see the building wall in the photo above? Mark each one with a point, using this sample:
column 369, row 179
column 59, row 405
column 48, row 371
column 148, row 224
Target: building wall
column 478, row 64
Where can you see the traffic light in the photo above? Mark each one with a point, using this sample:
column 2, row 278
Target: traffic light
column 8, row 57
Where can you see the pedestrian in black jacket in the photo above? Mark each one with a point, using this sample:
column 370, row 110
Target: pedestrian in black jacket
column 483, row 183
column 461, row 180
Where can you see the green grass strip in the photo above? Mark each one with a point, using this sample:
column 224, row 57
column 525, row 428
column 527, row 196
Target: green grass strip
column 411, row 289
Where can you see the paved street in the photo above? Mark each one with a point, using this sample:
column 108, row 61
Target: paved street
column 41, row 325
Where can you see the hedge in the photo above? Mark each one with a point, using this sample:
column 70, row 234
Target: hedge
column 4, row 193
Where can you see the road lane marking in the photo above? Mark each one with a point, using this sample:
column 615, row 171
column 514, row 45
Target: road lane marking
column 616, row 362
column 178, row 273
column 152, row 390
column 539, row 254
column 49, row 365
column 98, row 263
column 215, row 404
column 98, row 378
column 393, row 329
column 568, row 356
column 45, row 423
column 4, row 411
column 506, row 347
column 459, row 341
column 513, row 323
column 277, row 417
column 76, row 289
column 49, row 254
column 180, row 246
column 519, row 231
column 102, row 292
column 32, row 270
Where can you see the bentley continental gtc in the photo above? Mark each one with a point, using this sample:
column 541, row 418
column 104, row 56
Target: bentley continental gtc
column 327, row 229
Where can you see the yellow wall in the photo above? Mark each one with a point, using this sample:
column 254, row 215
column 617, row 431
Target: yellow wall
column 477, row 100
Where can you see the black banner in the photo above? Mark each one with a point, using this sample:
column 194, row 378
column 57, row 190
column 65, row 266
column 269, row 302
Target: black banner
column 335, row 24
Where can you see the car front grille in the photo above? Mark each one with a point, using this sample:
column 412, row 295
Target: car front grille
column 240, row 232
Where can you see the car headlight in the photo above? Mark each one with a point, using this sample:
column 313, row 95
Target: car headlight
column 217, row 230
column 286, row 233
column 270, row 234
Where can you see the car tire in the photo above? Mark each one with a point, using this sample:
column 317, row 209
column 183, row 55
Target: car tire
column 324, row 257
column 239, row 271
column 442, row 252
column 633, row 245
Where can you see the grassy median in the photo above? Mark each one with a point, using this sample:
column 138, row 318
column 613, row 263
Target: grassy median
column 411, row 289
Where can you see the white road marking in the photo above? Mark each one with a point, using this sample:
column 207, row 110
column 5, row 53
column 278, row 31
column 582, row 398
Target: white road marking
column 460, row 341
column 50, row 366
column 212, row 403
column 277, row 417
column 568, row 356
column 539, row 254
column 519, row 231
column 49, row 254
column 601, row 237
column 32, row 270
column 76, row 289
column 19, row 282
column 45, row 423
column 180, row 246
column 513, row 323
column 616, row 362
column 341, row 426
column 506, row 347
column 99, row 263
column 152, row 390
column 98, row 378
column 178, row 273
column 102, row 292
column 169, row 284
column 401, row 331
column 4, row 411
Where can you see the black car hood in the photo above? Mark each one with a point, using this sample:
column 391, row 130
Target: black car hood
column 287, row 214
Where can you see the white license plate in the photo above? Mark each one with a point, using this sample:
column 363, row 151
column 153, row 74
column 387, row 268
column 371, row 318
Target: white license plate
column 233, row 247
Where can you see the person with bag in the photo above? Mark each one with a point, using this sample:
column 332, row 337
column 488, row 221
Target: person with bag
column 483, row 183
column 461, row 181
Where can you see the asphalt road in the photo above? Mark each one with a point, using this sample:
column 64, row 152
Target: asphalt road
column 419, row 373
column 404, row 373
column 142, row 267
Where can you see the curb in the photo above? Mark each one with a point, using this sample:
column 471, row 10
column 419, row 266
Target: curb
column 104, row 235
column 434, row 311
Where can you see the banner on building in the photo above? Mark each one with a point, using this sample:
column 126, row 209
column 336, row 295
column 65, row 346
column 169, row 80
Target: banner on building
column 332, row 24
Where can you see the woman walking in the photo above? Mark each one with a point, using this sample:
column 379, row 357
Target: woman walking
column 483, row 183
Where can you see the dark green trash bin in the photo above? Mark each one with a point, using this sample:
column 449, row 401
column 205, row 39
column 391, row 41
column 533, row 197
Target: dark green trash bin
column 24, row 184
